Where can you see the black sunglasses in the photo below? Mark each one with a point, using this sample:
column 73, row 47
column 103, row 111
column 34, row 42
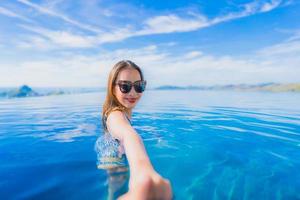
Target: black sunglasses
column 125, row 86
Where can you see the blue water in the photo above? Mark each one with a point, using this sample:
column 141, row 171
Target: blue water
column 211, row 145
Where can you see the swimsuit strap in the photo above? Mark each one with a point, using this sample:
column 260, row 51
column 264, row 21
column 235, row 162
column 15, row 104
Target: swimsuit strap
column 127, row 117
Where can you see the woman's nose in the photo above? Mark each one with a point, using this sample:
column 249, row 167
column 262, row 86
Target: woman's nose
column 132, row 92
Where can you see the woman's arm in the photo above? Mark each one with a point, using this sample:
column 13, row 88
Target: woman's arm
column 144, row 180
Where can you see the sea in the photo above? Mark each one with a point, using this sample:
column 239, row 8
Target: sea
column 209, row 144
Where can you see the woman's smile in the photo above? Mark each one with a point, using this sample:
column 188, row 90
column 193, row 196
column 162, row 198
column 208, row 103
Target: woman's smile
column 131, row 100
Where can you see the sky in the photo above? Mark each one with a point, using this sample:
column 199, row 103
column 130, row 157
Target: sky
column 75, row 43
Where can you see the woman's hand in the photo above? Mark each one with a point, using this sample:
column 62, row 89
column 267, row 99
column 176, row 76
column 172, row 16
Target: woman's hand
column 145, row 183
column 148, row 185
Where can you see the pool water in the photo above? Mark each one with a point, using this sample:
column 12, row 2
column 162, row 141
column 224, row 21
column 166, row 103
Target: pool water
column 210, row 144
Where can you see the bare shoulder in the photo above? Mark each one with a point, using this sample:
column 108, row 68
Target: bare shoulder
column 117, row 124
column 116, row 116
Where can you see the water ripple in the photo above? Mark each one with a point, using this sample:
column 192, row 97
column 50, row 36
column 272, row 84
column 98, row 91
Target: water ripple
column 234, row 147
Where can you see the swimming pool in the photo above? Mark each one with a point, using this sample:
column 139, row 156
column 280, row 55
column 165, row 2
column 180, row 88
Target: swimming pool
column 210, row 144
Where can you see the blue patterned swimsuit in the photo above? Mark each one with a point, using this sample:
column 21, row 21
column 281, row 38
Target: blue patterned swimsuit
column 110, row 151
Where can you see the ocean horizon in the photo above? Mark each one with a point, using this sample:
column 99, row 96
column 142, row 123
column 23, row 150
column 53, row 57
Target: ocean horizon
column 209, row 144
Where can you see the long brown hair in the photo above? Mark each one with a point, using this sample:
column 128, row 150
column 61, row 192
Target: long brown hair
column 111, row 103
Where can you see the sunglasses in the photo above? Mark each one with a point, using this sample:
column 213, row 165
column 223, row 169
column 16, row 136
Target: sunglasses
column 126, row 86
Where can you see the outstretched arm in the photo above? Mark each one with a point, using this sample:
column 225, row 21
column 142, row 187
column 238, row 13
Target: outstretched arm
column 145, row 182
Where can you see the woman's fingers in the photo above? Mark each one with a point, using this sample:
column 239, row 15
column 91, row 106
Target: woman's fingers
column 147, row 187
column 160, row 188
column 140, row 189
column 168, row 190
column 163, row 190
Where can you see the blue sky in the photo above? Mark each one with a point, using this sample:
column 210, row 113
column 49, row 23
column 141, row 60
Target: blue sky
column 64, row 43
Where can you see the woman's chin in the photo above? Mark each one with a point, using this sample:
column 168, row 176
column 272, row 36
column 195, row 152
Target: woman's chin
column 129, row 105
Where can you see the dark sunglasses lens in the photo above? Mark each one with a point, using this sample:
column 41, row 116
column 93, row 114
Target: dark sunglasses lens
column 125, row 87
column 139, row 87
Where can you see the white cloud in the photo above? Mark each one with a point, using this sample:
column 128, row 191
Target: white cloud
column 36, row 42
column 56, row 38
column 6, row 12
column 171, row 23
column 281, row 49
column 50, row 12
column 270, row 5
column 161, row 24
column 73, row 70
column 276, row 63
column 295, row 35
column 62, row 71
column 193, row 54
column 160, row 67
column 249, row 9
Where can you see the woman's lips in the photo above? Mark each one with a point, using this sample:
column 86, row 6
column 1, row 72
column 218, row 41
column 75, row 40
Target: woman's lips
column 131, row 100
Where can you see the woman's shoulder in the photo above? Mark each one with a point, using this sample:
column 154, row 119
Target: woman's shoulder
column 117, row 115
column 117, row 123
column 115, row 109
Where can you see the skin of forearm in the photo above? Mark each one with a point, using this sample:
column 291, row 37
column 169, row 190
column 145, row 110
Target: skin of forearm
column 136, row 154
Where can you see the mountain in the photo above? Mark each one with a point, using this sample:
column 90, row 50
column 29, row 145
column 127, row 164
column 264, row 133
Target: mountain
column 23, row 91
column 271, row 87
column 26, row 91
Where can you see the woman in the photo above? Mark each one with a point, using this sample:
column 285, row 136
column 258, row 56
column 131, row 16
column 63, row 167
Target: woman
column 121, row 144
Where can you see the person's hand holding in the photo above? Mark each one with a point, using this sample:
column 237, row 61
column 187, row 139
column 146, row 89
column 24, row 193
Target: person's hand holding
column 148, row 184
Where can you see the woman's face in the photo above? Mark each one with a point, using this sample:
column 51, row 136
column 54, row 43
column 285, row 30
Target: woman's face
column 130, row 99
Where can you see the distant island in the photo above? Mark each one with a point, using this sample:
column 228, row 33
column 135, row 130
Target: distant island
column 270, row 87
column 27, row 91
